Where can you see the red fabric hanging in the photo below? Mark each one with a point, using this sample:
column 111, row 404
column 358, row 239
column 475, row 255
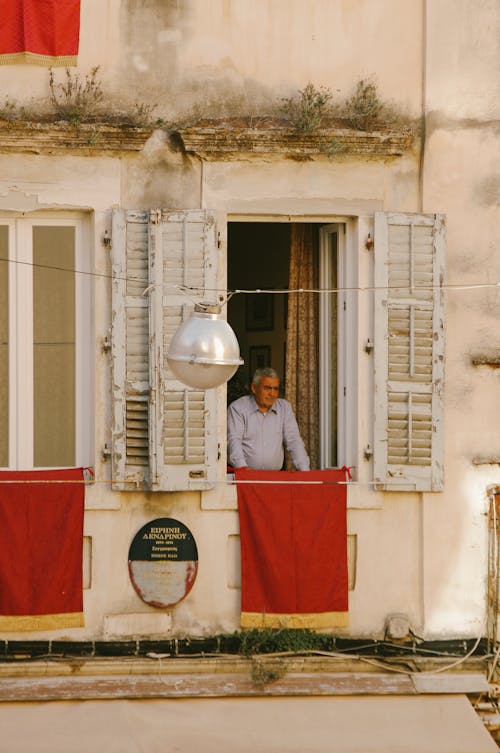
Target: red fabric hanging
column 293, row 549
column 41, row 542
column 44, row 32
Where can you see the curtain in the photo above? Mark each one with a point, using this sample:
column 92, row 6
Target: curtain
column 302, row 348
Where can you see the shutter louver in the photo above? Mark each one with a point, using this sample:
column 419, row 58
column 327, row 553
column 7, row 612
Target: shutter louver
column 184, row 427
column 409, row 351
column 130, row 334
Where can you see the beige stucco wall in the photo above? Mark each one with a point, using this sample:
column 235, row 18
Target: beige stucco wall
column 226, row 54
column 461, row 170
column 420, row 554
column 353, row 724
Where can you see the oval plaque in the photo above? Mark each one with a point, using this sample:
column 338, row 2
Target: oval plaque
column 163, row 562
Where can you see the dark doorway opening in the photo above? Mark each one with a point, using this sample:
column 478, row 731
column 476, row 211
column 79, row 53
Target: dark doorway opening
column 258, row 258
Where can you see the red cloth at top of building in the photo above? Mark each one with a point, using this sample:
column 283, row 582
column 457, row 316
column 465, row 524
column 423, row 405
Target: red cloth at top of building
column 293, row 548
column 41, row 542
column 40, row 31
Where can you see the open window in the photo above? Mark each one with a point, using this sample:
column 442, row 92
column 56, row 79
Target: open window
column 307, row 337
column 165, row 434
column 45, row 372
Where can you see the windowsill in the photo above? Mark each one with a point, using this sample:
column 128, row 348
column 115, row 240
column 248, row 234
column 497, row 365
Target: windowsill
column 224, row 497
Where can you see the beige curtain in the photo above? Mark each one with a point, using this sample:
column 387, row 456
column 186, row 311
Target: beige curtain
column 302, row 361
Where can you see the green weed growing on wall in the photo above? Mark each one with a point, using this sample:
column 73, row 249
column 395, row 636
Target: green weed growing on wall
column 307, row 111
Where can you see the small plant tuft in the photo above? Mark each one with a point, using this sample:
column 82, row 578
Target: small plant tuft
column 266, row 671
column 141, row 116
column 307, row 111
column 332, row 148
column 270, row 641
column 76, row 100
column 363, row 109
column 8, row 109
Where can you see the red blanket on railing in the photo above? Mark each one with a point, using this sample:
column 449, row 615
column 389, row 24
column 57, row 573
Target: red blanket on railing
column 41, row 541
column 44, row 32
column 293, row 548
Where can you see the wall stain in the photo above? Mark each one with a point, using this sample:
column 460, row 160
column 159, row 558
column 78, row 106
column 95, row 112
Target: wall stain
column 438, row 121
column 487, row 191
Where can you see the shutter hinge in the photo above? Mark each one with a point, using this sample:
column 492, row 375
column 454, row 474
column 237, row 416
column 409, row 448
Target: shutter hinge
column 368, row 452
column 219, row 242
column 106, row 345
column 368, row 346
column 105, row 453
column 106, row 240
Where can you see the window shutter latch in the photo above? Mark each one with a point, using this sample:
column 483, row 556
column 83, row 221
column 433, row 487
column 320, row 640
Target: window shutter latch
column 368, row 452
column 368, row 347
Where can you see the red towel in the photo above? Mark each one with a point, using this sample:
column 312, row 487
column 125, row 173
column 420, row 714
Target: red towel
column 44, row 32
column 41, row 541
column 293, row 549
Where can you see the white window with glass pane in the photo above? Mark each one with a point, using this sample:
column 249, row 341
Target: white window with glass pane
column 45, row 365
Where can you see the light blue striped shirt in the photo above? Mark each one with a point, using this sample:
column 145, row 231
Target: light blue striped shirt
column 258, row 440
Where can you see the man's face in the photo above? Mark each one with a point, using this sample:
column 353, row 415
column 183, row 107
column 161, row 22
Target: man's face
column 266, row 393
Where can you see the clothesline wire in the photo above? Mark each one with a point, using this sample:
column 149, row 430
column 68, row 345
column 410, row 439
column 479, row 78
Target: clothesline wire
column 273, row 291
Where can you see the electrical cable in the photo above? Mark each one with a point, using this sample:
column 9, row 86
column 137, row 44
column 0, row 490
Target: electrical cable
column 274, row 291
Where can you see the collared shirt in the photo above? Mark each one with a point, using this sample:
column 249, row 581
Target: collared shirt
column 258, row 440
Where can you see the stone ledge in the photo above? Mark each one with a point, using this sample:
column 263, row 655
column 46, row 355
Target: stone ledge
column 168, row 684
column 85, row 139
column 162, row 664
column 223, row 142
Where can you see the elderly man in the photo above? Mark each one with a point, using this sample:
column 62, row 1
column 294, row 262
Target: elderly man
column 261, row 426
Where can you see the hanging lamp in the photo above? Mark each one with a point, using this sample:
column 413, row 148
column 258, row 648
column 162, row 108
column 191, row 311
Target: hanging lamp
column 204, row 351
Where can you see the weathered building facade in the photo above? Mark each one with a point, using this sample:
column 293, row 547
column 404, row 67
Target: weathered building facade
column 405, row 221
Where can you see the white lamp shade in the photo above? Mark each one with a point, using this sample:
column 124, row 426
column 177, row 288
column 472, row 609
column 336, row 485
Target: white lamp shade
column 204, row 352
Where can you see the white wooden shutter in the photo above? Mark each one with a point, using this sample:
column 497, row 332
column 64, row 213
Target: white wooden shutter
column 183, row 421
column 130, row 333
column 409, row 351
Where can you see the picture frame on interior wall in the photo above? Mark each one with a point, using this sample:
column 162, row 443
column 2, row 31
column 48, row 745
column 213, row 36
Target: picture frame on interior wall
column 259, row 358
column 259, row 312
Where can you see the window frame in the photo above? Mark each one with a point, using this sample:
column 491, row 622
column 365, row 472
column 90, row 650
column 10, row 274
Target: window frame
column 21, row 410
column 346, row 353
column 347, row 326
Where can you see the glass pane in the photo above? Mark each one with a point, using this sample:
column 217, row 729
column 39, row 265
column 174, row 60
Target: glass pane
column 4, row 346
column 54, row 346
